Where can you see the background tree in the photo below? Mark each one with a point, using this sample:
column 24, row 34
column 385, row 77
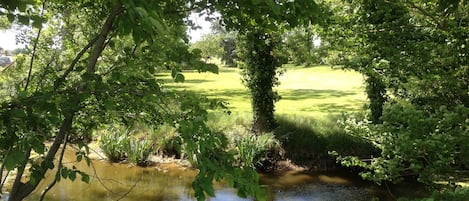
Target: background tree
column 210, row 45
column 300, row 46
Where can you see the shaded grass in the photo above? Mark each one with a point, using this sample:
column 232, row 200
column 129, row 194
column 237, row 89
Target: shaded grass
column 308, row 140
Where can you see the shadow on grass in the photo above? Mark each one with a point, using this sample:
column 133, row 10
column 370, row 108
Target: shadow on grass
column 307, row 141
column 336, row 108
column 300, row 94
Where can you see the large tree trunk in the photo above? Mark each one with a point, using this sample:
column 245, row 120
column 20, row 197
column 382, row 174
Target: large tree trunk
column 261, row 77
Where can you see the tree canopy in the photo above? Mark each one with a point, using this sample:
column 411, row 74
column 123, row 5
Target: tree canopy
column 92, row 63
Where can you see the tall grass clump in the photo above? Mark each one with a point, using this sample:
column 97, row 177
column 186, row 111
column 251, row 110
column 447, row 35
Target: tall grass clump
column 261, row 151
column 120, row 143
column 112, row 143
column 167, row 141
column 139, row 151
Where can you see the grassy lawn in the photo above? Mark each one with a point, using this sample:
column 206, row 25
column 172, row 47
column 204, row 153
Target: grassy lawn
column 305, row 91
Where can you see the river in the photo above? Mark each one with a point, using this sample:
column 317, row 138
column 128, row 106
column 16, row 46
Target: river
column 171, row 182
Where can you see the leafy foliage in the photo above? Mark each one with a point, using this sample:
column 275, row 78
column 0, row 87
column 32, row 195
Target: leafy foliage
column 459, row 193
column 260, row 33
column 430, row 145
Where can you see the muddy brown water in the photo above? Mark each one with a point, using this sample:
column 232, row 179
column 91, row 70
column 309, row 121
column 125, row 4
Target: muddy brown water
column 170, row 182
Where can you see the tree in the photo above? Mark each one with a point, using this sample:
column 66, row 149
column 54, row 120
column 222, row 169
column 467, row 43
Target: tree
column 299, row 45
column 209, row 45
column 415, row 58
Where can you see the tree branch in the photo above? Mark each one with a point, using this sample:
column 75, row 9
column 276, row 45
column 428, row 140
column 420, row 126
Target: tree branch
column 427, row 14
column 21, row 190
column 78, row 57
column 100, row 43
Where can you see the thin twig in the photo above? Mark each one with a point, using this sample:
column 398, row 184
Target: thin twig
column 100, row 181
column 130, row 190
column 77, row 58
column 36, row 41
column 389, row 191
column 52, row 184
column 3, row 182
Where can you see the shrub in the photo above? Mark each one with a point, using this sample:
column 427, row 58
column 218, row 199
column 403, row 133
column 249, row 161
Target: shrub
column 457, row 194
column 413, row 141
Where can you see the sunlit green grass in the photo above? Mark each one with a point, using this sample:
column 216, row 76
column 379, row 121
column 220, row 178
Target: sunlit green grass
column 309, row 91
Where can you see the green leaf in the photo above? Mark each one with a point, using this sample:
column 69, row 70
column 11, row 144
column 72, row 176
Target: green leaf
column 85, row 177
column 256, row 2
column 23, row 19
column 14, row 157
column 88, row 161
column 79, row 157
column 142, row 12
column 72, row 175
column 58, row 177
column 37, row 22
column 64, row 172
column 11, row 17
column 38, row 146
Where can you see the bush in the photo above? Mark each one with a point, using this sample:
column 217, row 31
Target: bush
column 458, row 194
column 430, row 145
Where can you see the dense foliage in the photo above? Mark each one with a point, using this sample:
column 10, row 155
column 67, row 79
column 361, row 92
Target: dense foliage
column 415, row 58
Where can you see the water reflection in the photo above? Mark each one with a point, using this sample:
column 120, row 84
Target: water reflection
column 170, row 183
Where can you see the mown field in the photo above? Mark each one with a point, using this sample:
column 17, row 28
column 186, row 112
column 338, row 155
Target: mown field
column 304, row 91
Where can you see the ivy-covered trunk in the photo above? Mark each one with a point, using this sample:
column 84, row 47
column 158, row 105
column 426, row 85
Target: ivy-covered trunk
column 260, row 77
column 376, row 92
